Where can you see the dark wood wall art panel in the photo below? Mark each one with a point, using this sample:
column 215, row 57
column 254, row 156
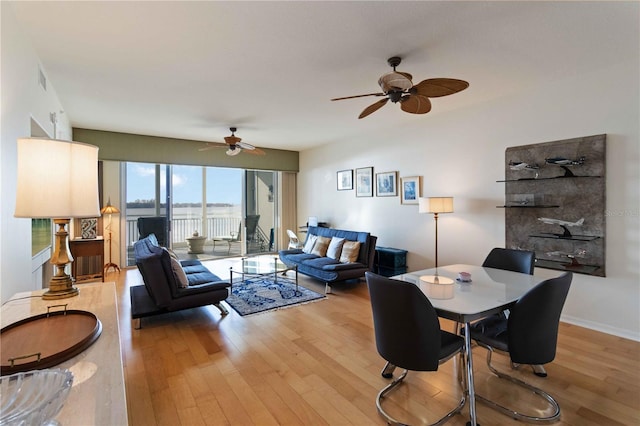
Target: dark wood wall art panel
column 555, row 203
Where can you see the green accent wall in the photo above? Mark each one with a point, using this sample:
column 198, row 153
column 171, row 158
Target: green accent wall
column 116, row 146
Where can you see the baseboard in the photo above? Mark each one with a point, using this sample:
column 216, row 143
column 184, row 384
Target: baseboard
column 591, row 325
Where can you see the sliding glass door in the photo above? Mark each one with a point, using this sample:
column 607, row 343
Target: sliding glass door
column 233, row 207
column 224, row 189
column 261, row 208
column 146, row 204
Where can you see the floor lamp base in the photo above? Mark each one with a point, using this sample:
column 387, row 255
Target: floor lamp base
column 110, row 265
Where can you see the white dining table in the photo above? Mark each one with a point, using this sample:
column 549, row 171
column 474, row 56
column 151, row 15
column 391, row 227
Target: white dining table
column 490, row 291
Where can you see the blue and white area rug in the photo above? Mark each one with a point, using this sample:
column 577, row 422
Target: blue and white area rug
column 263, row 294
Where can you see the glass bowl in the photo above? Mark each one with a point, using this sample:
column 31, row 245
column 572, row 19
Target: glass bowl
column 33, row 397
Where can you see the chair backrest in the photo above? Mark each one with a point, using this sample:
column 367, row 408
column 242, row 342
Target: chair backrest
column 406, row 324
column 272, row 238
column 294, row 242
column 511, row 260
column 292, row 235
column 153, row 225
column 154, row 264
column 238, row 236
column 534, row 319
column 251, row 222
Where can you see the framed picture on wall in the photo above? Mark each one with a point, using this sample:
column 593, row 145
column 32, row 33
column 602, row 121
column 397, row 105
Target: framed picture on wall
column 89, row 228
column 386, row 184
column 410, row 189
column 364, row 182
column 345, row 180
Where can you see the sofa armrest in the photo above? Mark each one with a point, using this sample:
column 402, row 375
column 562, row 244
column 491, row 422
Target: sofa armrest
column 372, row 252
column 343, row 266
column 292, row 251
column 202, row 288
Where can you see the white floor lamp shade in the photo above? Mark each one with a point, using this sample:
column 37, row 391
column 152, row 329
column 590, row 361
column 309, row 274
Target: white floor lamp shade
column 436, row 205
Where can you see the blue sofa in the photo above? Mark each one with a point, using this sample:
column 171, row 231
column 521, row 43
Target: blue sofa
column 161, row 291
column 331, row 270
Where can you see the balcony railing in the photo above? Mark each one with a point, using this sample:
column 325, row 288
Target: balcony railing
column 183, row 228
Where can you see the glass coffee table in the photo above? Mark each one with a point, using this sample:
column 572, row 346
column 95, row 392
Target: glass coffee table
column 260, row 266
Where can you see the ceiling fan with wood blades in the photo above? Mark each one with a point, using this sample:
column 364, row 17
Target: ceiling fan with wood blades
column 397, row 87
column 234, row 145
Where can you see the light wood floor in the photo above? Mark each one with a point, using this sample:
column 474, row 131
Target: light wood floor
column 317, row 364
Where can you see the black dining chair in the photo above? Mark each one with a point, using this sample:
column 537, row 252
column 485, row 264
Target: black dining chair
column 529, row 335
column 408, row 335
column 522, row 261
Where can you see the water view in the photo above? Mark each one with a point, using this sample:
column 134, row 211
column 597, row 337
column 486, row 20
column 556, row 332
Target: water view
column 217, row 220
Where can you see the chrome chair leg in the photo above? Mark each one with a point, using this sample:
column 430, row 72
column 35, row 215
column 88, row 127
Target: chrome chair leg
column 223, row 310
column 461, row 368
column 539, row 370
column 387, row 371
column 512, row 413
column 392, row 421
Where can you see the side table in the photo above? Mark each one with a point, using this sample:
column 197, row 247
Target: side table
column 85, row 248
column 390, row 261
column 259, row 266
column 196, row 244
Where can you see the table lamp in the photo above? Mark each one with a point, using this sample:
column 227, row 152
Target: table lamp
column 109, row 209
column 58, row 180
column 436, row 205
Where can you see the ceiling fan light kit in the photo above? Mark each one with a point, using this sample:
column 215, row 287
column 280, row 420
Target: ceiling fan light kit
column 394, row 81
column 234, row 145
column 397, row 87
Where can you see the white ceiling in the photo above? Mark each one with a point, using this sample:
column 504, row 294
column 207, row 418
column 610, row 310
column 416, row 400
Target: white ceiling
column 193, row 69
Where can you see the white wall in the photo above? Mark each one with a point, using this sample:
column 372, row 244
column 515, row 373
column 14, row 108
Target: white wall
column 22, row 99
column 461, row 154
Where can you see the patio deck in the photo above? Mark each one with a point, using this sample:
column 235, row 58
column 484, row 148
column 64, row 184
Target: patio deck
column 221, row 251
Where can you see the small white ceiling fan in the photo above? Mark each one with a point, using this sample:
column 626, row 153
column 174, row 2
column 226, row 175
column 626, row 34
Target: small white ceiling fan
column 234, row 145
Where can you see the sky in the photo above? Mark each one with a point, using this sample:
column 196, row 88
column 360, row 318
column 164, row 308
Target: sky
column 224, row 185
